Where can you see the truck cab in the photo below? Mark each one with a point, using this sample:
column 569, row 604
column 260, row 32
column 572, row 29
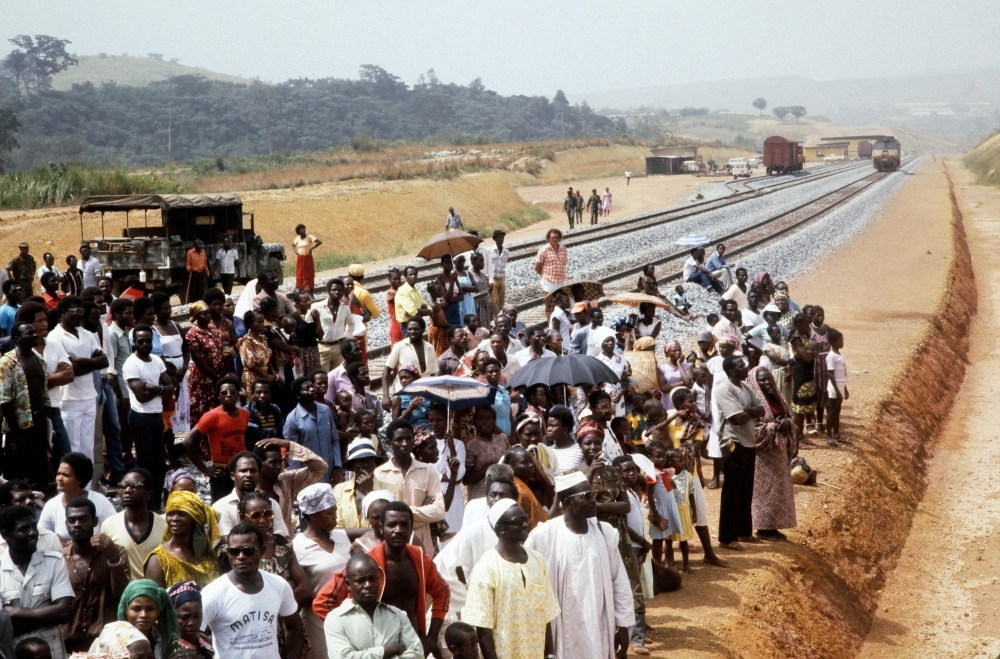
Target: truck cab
column 152, row 246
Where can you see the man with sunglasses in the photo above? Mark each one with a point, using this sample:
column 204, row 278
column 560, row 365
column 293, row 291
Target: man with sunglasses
column 136, row 529
column 587, row 575
column 243, row 607
column 244, row 469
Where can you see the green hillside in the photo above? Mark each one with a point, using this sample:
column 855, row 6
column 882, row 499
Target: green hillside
column 129, row 71
column 984, row 160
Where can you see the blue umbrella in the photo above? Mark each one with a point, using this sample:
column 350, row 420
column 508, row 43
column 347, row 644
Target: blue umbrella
column 453, row 392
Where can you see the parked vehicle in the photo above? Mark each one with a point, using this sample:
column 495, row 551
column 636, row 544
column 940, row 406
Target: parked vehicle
column 690, row 166
column 864, row 149
column 885, row 154
column 741, row 170
column 782, row 156
column 756, row 161
column 155, row 255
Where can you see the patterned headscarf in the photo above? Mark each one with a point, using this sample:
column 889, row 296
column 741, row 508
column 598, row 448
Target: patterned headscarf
column 196, row 308
column 621, row 321
column 115, row 639
column 203, row 516
column 183, row 592
column 166, row 617
column 765, row 431
column 588, row 428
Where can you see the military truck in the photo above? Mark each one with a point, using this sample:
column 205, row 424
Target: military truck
column 153, row 247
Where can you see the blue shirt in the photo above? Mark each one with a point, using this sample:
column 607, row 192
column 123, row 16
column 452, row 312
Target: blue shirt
column 501, row 405
column 317, row 433
column 716, row 262
column 7, row 314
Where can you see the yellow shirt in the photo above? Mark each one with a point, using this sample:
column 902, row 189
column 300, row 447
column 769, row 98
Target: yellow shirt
column 347, row 510
column 365, row 298
column 304, row 246
column 408, row 302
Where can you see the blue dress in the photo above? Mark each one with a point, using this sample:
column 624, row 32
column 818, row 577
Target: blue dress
column 467, row 304
column 418, row 417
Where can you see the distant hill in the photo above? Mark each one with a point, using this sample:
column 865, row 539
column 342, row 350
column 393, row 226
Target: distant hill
column 129, row 71
column 961, row 102
column 984, row 160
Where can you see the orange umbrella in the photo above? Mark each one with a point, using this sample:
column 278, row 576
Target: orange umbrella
column 449, row 242
column 635, row 299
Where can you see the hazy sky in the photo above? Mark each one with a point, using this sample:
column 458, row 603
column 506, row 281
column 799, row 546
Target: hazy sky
column 532, row 47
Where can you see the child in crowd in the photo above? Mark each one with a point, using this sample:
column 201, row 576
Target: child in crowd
column 656, row 423
column 636, row 417
column 836, row 386
column 680, row 300
column 266, row 420
column 364, row 420
column 685, row 502
column 343, row 415
column 462, row 640
column 623, row 433
column 664, row 517
column 712, row 319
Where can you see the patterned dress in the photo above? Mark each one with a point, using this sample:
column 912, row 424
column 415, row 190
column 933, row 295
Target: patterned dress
column 821, row 348
column 201, row 388
column 773, row 503
column 803, row 380
column 254, row 353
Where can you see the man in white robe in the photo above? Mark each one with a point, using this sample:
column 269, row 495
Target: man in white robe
column 587, row 575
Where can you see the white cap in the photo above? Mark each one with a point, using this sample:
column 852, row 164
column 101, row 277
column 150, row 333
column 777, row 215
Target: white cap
column 566, row 481
column 498, row 509
column 372, row 497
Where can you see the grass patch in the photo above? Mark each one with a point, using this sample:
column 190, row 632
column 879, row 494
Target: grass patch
column 984, row 160
column 519, row 219
column 63, row 184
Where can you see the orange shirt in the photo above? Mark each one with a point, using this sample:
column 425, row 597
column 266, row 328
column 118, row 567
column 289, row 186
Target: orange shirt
column 51, row 301
column 197, row 261
column 225, row 434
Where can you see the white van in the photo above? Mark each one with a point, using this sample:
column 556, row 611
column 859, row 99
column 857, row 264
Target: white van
column 733, row 162
column 756, row 161
column 741, row 169
column 690, row 166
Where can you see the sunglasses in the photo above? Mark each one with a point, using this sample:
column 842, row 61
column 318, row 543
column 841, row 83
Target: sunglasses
column 245, row 551
column 264, row 514
column 589, row 495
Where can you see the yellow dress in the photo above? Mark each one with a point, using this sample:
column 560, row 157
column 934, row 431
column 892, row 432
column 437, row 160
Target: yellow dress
column 515, row 601
column 682, row 492
column 175, row 570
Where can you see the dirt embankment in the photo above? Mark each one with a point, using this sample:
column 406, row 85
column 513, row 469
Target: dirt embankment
column 905, row 310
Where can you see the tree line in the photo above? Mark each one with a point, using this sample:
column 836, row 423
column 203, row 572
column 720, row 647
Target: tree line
column 189, row 117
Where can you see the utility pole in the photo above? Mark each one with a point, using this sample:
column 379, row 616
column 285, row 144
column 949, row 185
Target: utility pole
column 562, row 126
column 170, row 121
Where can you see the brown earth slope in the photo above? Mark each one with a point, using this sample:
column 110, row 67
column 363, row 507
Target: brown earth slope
column 905, row 308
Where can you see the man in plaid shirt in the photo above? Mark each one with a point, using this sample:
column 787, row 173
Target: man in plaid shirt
column 551, row 262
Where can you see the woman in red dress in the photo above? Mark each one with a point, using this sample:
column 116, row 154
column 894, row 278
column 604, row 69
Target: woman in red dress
column 395, row 330
column 205, row 347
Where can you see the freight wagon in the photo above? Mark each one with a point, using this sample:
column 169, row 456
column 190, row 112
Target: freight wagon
column 782, row 156
column 864, row 149
column 885, row 154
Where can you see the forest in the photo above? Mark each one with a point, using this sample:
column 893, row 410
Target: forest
column 190, row 117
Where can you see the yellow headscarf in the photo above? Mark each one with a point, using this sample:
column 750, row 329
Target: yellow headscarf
column 196, row 308
column 642, row 360
column 202, row 514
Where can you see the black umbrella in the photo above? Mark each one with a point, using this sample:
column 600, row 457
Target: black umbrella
column 576, row 370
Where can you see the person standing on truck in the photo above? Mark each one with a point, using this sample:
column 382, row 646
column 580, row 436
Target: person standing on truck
column 227, row 256
column 196, row 264
column 22, row 269
column 305, row 268
column 594, row 206
column 569, row 205
column 89, row 266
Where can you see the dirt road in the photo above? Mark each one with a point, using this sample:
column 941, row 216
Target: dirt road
column 943, row 600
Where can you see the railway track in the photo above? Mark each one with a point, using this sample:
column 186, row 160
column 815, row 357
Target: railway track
column 742, row 241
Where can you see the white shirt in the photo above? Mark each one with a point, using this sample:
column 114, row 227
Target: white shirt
column 453, row 515
column 403, row 354
column 42, row 270
column 726, row 326
column 344, row 325
column 53, row 516
column 45, row 581
column 227, row 260
column 734, row 293
column 246, row 626
column 751, row 318
column 229, row 514
column 564, row 324
column 496, row 262
column 690, row 267
column 522, row 357
column 54, row 355
column 91, row 271
column 83, row 345
column 513, row 346
column 838, row 365
column 148, row 372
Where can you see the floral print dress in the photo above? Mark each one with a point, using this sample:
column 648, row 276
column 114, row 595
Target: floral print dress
column 201, row 388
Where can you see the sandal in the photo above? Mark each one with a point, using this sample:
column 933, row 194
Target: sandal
column 639, row 649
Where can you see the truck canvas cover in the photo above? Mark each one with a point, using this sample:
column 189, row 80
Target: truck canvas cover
column 101, row 203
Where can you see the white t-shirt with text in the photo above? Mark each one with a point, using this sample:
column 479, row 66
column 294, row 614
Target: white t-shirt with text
column 246, row 626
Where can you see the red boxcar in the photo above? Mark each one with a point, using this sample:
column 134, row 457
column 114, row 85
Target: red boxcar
column 864, row 149
column 782, row 156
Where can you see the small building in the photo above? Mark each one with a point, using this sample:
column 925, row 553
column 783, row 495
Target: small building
column 665, row 164
column 818, row 152
column 852, row 142
column 689, row 152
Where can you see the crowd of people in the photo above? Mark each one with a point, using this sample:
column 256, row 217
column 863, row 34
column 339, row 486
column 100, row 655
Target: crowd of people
column 308, row 513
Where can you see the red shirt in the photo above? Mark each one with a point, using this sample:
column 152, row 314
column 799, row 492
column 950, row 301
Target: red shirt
column 51, row 301
column 226, row 434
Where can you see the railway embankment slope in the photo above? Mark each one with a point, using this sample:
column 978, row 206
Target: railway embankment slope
column 904, row 294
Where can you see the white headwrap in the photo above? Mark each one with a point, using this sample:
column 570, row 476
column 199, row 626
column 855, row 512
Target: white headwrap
column 315, row 498
column 498, row 509
column 566, row 481
column 372, row 497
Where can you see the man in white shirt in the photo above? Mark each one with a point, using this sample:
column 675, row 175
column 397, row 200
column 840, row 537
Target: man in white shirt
column 244, row 469
column 243, row 607
column 752, row 316
column 496, row 269
column 696, row 272
column 503, row 326
column 34, row 585
column 588, row 340
column 148, row 383
column 559, row 320
column 90, row 266
column 729, row 320
column 413, row 350
column 79, row 397
column 227, row 256
column 535, row 350
column 337, row 323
